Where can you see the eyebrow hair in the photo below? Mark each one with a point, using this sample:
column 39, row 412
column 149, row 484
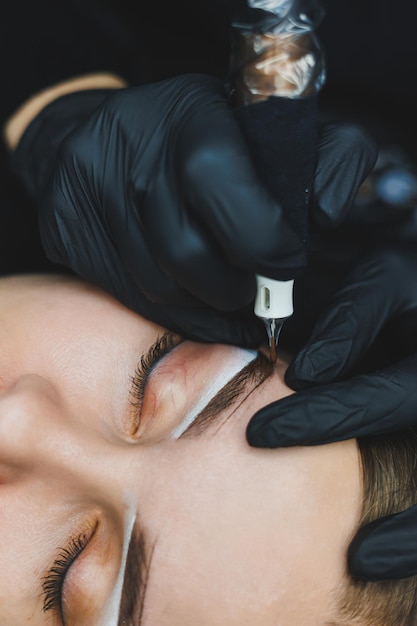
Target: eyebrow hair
column 135, row 579
column 137, row 566
column 247, row 380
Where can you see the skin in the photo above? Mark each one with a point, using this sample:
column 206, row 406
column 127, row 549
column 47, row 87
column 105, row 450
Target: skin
column 234, row 535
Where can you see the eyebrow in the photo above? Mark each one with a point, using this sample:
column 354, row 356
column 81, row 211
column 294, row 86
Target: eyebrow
column 239, row 387
column 135, row 579
column 137, row 565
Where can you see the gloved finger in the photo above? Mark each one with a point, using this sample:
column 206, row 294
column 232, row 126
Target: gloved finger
column 346, row 156
column 372, row 293
column 249, row 226
column 364, row 405
column 197, row 230
column 78, row 240
column 385, row 549
column 225, row 194
column 188, row 254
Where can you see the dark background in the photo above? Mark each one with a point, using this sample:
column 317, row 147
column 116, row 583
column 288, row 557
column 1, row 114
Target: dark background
column 370, row 46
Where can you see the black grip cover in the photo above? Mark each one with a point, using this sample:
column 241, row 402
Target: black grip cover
column 282, row 135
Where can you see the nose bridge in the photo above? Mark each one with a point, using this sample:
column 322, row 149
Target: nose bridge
column 40, row 439
column 27, row 410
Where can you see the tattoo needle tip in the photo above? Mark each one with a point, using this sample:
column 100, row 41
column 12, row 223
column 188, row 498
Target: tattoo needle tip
column 273, row 351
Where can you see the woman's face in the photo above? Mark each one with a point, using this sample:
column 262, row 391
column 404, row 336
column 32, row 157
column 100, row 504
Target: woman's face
column 109, row 513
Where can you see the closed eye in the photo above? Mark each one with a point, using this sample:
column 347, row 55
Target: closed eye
column 160, row 348
column 54, row 581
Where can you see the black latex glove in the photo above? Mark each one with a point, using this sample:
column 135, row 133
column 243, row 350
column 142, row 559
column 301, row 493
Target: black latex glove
column 377, row 300
column 150, row 192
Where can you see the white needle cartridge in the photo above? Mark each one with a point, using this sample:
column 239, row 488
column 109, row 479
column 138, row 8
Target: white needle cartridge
column 273, row 304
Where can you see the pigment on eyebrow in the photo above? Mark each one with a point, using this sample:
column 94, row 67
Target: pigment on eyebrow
column 135, row 580
column 239, row 387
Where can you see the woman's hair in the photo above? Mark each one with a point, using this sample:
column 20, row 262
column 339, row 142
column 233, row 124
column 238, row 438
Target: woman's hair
column 389, row 467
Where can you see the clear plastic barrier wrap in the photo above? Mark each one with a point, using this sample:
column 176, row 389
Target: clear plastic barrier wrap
column 276, row 51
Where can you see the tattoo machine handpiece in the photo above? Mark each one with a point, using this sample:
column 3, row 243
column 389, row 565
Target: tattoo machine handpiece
column 276, row 71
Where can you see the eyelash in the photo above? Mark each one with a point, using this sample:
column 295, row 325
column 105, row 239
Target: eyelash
column 162, row 346
column 53, row 582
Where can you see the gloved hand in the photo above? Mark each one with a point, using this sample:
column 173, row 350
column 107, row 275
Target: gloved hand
column 378, row 301
column 150, row 192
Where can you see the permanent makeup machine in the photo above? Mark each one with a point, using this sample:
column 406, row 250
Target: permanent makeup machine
column 276, row 71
